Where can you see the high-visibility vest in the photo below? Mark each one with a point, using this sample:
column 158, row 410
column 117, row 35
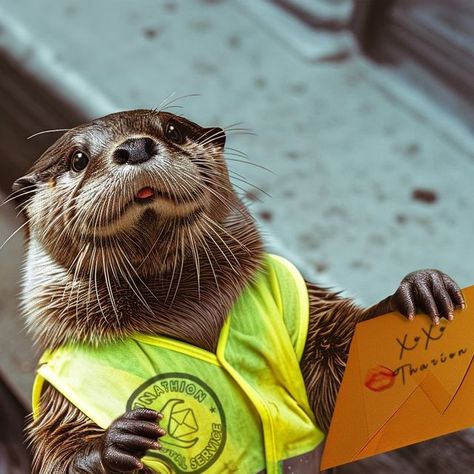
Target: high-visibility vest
column 243, row 409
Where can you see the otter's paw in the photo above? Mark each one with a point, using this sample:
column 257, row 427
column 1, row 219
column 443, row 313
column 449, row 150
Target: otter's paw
column 428, row 291
column 128, row 437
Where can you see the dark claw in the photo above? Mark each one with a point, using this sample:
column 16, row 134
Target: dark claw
column 428, row 291
column 142, row 428
column 142, row 414
column 454, row 291
column 116, row 460
column 128, row 438
column 426, row 302
column 135, row 444
column 403, row 302
column 443, row 298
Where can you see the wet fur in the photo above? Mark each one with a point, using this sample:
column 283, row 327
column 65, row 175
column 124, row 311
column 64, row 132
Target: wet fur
column 59, row 289
column 63, row 430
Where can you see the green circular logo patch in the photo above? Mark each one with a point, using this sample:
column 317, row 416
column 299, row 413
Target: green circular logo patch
column 192, row 417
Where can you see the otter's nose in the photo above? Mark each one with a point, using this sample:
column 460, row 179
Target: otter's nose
column 134, row 151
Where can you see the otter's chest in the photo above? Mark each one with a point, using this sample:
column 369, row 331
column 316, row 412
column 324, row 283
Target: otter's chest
column 243, row 407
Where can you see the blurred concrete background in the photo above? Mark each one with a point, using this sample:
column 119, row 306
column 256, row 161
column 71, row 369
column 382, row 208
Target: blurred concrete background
column 363, row 113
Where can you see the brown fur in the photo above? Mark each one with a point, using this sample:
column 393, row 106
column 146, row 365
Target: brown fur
column 332, row 324
column 72, row 299
column 172, row 300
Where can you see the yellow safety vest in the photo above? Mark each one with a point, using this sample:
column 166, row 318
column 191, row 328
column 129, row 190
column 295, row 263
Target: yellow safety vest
column 243, row 409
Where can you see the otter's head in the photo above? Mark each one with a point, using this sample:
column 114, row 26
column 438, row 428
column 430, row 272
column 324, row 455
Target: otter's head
column 141, row 187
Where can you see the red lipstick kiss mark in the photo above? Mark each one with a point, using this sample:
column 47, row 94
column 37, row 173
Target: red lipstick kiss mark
column 379, row 378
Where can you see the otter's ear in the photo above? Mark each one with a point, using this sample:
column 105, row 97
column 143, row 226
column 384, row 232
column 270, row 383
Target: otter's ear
column 214, row 135
column 23, row 188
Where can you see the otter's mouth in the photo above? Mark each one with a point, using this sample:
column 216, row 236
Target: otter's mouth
column 166, row 205
column 147, row 194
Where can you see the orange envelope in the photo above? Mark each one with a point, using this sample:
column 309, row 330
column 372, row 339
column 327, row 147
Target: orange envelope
column 405, row 382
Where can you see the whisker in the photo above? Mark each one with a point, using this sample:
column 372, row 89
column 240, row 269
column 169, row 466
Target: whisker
column 169, row 96
column 223, row 229
column 252, row 164
column 243, row 180
column 221, row 251
column 54, row 130
column 109, row 289
column 96, row 287
column 180, row 270
column 132, row 284
column 14, row 233
column 205, row 248
column 23, row 192
column 164, row 105
column 195, row 254
column 237, row 152
column 174, row 270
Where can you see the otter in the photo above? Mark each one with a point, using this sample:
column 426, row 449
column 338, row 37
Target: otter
column 133, row 226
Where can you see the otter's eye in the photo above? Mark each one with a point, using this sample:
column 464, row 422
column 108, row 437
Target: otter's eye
column 173, row 133
column 79, row 161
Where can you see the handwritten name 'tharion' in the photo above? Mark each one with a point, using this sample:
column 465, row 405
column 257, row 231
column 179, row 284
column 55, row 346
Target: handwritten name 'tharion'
column 408, row 369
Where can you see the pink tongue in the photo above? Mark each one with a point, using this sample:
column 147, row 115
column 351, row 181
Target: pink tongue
column 145, row 193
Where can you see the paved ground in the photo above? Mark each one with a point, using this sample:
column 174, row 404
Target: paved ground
column 365, row 186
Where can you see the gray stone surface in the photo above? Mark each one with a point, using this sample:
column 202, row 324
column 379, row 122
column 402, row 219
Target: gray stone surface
column 346, row 154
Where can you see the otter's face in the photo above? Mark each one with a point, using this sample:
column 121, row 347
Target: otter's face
column 141, row 187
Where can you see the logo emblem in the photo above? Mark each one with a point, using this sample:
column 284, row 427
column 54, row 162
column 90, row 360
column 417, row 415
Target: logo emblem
column 192, row 417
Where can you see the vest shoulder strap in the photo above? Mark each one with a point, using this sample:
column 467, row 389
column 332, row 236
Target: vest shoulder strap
column 291, row 295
